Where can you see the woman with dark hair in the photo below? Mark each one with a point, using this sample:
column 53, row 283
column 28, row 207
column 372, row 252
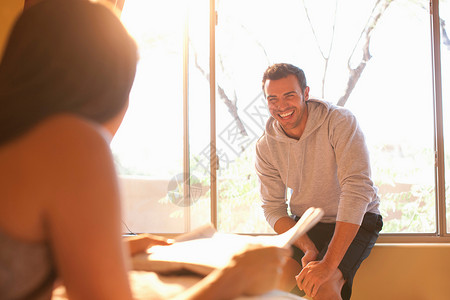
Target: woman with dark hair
column 65, row 77
column 60, row 60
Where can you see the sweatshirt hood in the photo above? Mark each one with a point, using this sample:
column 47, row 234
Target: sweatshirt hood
column 315, row 120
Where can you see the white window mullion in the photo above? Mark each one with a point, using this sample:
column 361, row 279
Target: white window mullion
column 439, row 135
column 212, row 88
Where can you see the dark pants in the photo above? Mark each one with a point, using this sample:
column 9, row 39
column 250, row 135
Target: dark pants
column 358, row 250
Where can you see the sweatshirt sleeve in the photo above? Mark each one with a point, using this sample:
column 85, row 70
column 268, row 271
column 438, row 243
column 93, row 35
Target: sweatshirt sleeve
column 272, row 188
column 353, row 167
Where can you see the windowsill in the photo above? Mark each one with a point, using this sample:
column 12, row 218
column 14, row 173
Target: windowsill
column 384, row 239
column 412, row 239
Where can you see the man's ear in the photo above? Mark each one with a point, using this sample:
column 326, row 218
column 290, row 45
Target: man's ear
column 306, row 94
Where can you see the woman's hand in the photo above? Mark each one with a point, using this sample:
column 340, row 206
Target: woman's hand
column 253, row 271
column 259, row 268
column 140, row 243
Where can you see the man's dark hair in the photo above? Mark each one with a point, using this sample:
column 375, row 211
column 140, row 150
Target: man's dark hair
column 282, row 70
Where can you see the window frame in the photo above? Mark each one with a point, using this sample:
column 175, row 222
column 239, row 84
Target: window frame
column 440, row 235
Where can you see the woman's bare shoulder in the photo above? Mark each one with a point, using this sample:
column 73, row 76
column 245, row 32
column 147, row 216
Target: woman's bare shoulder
column 70, row 145
column 61, row 155
column 69, row 129
column 59, row 158
column 56, row 142
column 80, row 175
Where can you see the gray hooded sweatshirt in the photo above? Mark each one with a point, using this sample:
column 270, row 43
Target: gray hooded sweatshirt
column 328, row 167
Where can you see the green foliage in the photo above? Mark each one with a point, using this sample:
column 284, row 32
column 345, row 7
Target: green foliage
column 239, row 201
column 407, row 203
column 405, row 176
column 407, row 199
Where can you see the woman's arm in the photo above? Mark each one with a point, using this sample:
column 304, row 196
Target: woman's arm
column 253, row 271
column 256, row 270
column 82, row 214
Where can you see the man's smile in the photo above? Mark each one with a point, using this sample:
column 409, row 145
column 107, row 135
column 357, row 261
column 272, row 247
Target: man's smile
column 286, row 115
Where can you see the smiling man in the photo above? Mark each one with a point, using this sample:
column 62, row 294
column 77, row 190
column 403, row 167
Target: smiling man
column 318, row 152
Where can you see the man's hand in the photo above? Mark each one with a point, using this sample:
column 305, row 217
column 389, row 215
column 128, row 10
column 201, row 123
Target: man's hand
column 310, row 255
column 312, row 276
column 315, row 273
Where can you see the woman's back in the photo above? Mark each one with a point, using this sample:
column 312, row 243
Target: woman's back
column 65, row 77
column 27, row 268
column 31, row 169
column 59, row 190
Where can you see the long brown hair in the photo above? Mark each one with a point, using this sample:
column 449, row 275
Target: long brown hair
column 64, row 56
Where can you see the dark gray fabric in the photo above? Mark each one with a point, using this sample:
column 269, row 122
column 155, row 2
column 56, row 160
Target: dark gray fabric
column 26, row 269
column 358, row 250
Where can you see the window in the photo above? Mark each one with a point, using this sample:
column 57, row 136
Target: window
column 148, row 147
column 444, row 20
column 384, row 51
column 161, row 128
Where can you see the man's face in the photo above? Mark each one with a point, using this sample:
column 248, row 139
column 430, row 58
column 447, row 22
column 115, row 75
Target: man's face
column 287, row 104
